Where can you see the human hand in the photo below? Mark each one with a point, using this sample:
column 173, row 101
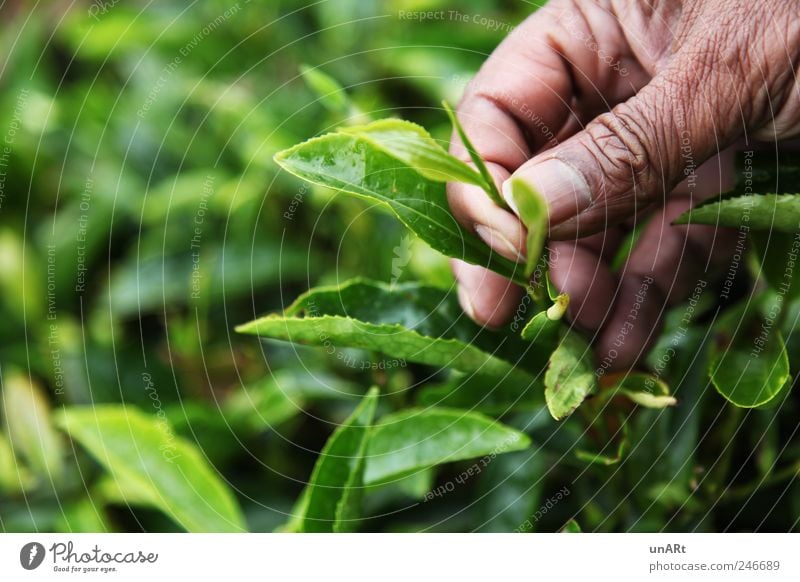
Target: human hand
column 610, row 108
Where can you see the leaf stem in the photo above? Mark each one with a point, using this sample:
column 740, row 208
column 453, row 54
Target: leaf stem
column 489, row 186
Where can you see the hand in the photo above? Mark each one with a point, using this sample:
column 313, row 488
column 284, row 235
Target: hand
column 606, row 107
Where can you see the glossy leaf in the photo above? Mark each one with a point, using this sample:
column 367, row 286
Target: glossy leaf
column 494, row 396
column 416, row 439
column 412, row 145
column 777, row 254
column 749, row 365
column 571, row 527
column 488, row 185
column 570, row 376
column 145, row 458
column 332, row 501
column 357, row 164
column 532, row 210
column 779, row 212
column 406, row 321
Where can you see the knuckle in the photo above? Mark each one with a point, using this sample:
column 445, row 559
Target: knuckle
column 619, row 144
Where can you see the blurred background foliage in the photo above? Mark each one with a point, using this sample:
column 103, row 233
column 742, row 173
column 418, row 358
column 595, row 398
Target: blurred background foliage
column 142, row 218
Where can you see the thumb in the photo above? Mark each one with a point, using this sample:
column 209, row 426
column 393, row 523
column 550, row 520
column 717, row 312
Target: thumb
column 635, row 154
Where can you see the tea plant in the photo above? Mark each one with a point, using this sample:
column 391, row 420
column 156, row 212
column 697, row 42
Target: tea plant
column 142, row 219
column 401, row 167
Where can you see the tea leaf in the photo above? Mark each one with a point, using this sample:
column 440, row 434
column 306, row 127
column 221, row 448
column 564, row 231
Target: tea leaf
column 779, row 212
column 356, row 164
column 488, row 181
column 649, row 400
column 545, row 325
column 415, row 439
column 749, row 365
column 640, row 388
column 510, row 490
column 570, row 377
column 571, row 526
column 406, row 322
column 776, row 252
column 144, row 457
column 532, row 210
column 333, row 495
column 412, row 145
column 494, row 396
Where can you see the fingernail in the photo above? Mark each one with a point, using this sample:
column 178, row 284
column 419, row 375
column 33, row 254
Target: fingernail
column 565, row 190
column 498, row 242
column 465, row 301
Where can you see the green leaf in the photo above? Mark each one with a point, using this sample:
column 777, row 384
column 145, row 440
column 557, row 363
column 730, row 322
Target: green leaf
column 30, row 426
column 510, row 490
column 111, row 490
column 488, row 181
column 333, row 501
column 261, row 406
column 494, row 396
column 416, row 439
column 146, row 459
column 779, row 212
column 545, row 325
column 570, row 376
column 331, row 94
column 356, row 164
column 412, row 145
column 83, row 515
column 571, row 527
column 281, row 396
column 406, row 322
column 333, row 498
column 532, row 210
column 777, row 253
column 749, row 365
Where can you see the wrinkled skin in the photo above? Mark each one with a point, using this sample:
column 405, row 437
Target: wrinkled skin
column 606, row 107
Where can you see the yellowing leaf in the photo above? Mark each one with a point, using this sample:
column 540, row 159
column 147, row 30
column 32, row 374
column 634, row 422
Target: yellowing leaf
column 570, row 376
